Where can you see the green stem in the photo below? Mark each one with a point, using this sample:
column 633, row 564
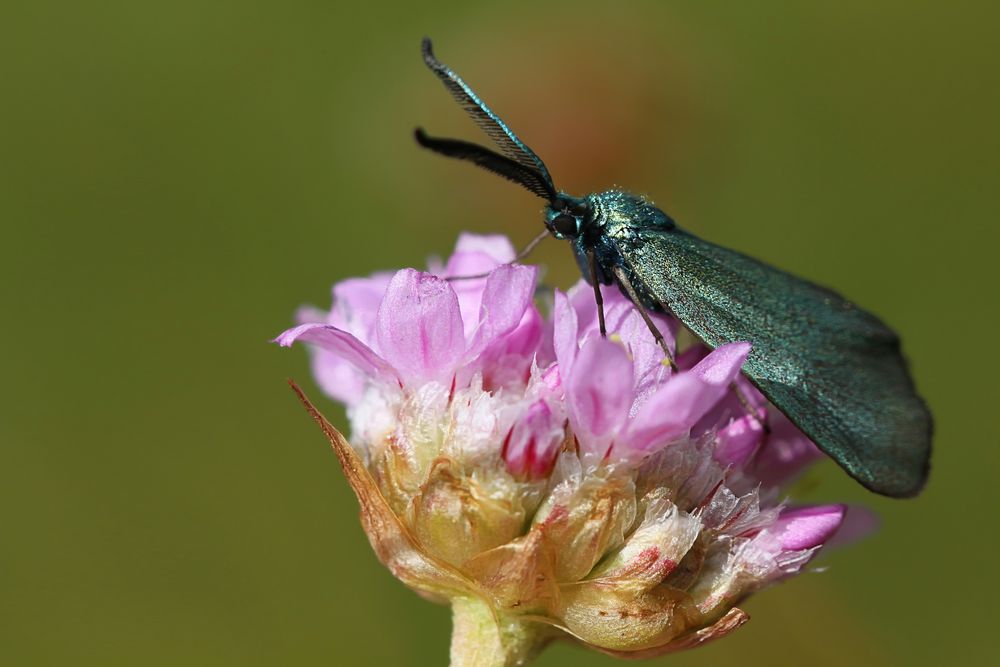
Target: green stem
column 481, row 638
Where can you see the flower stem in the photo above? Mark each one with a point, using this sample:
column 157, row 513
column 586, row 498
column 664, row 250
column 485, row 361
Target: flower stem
column 481, row 638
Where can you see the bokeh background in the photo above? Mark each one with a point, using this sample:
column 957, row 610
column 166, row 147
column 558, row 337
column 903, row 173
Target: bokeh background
column 176, row 178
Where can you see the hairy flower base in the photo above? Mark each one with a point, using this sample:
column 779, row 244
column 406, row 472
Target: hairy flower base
column 670, row 582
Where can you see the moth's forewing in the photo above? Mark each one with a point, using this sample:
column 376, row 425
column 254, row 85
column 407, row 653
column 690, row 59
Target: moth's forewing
column 833, row 369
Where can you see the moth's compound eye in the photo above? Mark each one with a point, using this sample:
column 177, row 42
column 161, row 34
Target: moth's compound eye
column 565, row 225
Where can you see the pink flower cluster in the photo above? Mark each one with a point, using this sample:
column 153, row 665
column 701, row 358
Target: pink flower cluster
column 616, row 396
column 511, row 460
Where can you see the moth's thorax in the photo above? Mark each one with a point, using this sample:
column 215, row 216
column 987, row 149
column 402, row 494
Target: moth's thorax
column 616, row 222
column 616, row 212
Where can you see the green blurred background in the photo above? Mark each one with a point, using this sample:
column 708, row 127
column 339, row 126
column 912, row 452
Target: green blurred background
column 176, row 178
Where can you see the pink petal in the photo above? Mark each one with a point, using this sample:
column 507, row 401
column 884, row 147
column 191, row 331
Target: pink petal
column 545, row 351
column 666, row 416
column 495, row 246
column 859, row 523
column 509, row 291
column 731, row 407
column 669, row 413
column 804, row 528
column 784, row 454
column 599, row 393
column 311, row 315
column 337, row 378
column 552, row 379
column 341, row 344
column 463, row 264
column 565, row 334
column 723, row 364
column 419, row 327
column 532, row 445
column 581, row 296
column 355, row 305
column 737, row 441
column 470, row 294
column 634, row 331
column 690, row 357
column 475, row 255
column 616, row 314
column 651, row 367
column 507, row 360
column 668, row 327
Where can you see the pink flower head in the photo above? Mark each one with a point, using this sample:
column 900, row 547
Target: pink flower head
column 564, row 476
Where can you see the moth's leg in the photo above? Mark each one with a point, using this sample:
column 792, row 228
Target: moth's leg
column 525, row 251
column 626, row 284
column 598, row 297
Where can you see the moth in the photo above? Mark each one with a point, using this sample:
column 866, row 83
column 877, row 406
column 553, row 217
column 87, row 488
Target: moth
column 835, row 370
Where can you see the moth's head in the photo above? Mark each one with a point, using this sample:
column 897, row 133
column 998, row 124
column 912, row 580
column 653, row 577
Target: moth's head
column 566, row 217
